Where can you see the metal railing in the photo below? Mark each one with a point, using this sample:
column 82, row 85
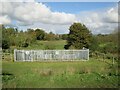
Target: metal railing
column 53, row 55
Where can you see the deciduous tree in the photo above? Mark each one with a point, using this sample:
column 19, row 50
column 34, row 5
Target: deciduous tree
column 78, row 37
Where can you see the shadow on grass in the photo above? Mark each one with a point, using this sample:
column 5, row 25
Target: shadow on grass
column 7, row 76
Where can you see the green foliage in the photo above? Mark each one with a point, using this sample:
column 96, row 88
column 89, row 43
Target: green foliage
column 6, row 77
column 18, row 39
column 56, row 44
column 30, row 36
column 64, row 36
column 109, row 47
column 40, row 34
column 94, row 44
column 25, row 44
column 5, row 44
column 108, row 43
column 0, row 35
column 79, row 36
column 51, row 36
column 21, row 39
column 15, row 38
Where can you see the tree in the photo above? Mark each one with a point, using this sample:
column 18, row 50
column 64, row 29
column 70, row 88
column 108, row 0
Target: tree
column 5, row 44
column 9, row 35
column 30, row 36
column 64, row 36
column 50, row 36
column 1, row 35
column 94, row 44
column 5, row 39
column 78, row 37
column 39, row 34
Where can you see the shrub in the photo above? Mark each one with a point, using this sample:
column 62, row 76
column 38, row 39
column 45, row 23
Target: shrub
column 5, row 44
column 25, row 44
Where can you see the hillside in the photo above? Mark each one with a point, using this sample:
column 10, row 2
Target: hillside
column 57, row 44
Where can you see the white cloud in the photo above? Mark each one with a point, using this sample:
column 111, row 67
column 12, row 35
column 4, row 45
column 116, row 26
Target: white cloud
column 39, row 15
column 5, row 19
column 102, row 21
column 17, row 0
column 31, row 12
column 61, row 29
column 36, row 12
column 62, row 18
column 112, row 15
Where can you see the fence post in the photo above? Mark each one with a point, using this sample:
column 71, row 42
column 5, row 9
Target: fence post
column 32, row 55
column 15, row 54
column 11, row 55
column 88, row 54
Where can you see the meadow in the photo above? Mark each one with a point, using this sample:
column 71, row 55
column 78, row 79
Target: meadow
column 56, row 44
column 95, row 73
column 101, row 71
column 80, row 74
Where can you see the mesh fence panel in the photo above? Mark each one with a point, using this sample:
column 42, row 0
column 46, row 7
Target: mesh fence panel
column 39, row 55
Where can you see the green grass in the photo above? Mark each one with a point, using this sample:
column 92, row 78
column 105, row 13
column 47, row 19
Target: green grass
column 58, row 44
column 92, row 73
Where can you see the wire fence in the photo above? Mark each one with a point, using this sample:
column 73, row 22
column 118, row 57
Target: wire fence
column 51, row 55
column 7, row 55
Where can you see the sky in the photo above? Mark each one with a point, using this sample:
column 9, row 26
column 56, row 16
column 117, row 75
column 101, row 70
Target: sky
column 99, row 17
column 75, row 7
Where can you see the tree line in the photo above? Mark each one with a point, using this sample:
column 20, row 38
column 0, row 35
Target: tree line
column 14, row 37
column 79, row 36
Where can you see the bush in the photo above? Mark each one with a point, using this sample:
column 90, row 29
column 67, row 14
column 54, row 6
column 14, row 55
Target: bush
column 5, row 44
column 25, row 44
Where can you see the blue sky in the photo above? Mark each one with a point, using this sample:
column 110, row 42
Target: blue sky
column 77, row 0
column 76, row 7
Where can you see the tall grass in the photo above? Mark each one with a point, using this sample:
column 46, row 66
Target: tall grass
column 92, row 73
column 59, row 44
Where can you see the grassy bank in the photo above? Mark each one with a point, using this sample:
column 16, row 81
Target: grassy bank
column 92, row 73
column 58, row 44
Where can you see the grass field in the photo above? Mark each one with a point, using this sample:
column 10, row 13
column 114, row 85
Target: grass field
column 58, row 44
column 80, row 74
column 92, row 73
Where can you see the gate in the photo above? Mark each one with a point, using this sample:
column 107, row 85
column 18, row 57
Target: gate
column 51, row 55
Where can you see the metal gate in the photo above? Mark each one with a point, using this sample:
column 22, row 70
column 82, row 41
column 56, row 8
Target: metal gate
column 51, row 55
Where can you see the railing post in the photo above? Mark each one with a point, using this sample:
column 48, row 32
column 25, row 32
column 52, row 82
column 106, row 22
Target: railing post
column 88, row 54
column 15, row 59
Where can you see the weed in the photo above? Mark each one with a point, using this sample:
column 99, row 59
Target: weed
column 7, row 76
column 47, row 73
